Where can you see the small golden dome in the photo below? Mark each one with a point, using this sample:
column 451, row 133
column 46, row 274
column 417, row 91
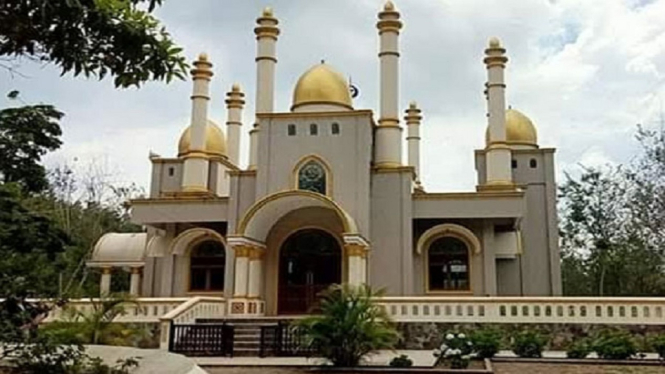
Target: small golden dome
column 520, row 130
column 215, row 141
column 494, row 42
column 267, row 12
column 322, row 85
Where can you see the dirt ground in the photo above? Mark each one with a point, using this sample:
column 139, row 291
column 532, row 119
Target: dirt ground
column 528, row 368
column 499, row 368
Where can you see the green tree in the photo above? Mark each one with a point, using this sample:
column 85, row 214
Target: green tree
column 349, row 325
column 119, row 38
column 26, row 134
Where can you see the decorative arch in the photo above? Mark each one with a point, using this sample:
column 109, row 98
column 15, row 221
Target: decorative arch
column 263, row 214
column 324, row 165
column 188, row 238
column 448, row 229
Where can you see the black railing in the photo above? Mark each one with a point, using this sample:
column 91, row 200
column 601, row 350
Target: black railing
column 284, row 339
column 202, row 339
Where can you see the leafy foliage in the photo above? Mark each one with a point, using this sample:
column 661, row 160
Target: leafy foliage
column 401, row 361
column 26, row 134
column 486, row 342
column 528, row 343
column 657, row 343
column 579, row 348
column 350, row 325
column 119, row 38
column 614, row 345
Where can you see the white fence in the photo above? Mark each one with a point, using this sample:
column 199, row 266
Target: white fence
column 147, row 309
column 592, row 310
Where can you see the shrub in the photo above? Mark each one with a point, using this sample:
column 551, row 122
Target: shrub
column 578, row 349
column 658, row 345
column 401, row 361
column 455, row 350
column 614, row 345
column 486, row 342
column 529, row 343
column 349, row 325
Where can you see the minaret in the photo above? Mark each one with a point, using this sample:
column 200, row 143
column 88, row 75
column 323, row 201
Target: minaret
column 266, row 39
column 195, row 167
column 388, row 149
column 235, row 100
column 412, row 119
column 498, row 159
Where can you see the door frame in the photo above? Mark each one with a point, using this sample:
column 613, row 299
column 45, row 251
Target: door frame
column 342, row 252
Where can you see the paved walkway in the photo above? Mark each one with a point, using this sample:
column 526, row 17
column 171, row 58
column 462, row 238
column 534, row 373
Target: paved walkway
column 382, row 358
column 420, row 358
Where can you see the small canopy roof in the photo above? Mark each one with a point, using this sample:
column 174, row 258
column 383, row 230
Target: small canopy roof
column 115, row 249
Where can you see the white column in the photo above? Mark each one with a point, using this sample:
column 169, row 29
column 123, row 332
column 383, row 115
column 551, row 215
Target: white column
column 241, row 271
column 412, row 119
column 195, row 167
column 234, row 104
column 498, row 154
column 105, row 282
column 266, row 36
column 255, row 273
column 135, row 281
column 356, row 264
column 388, row 150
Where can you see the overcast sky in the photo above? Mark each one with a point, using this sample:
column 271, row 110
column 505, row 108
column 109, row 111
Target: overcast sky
column 585, row 71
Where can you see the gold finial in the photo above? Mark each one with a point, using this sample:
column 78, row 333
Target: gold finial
column 267, row 11
column 235, row 87
column 494, row 42
column 389, row 6
column 413, row 105
column 203, row 56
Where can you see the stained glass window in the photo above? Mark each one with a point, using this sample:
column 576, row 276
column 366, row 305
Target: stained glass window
column 312, row 177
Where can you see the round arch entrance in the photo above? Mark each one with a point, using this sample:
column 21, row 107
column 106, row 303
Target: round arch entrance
column 310, row 260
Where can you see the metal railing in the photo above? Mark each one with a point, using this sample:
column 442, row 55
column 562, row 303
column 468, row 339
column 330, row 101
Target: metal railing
column 285, row 339
column 202, row 339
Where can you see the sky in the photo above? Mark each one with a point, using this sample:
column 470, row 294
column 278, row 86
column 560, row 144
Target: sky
column 585, row 71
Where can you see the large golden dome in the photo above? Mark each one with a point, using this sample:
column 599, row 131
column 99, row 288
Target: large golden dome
column 215, row 141
column 520, row 130
column 322, row 85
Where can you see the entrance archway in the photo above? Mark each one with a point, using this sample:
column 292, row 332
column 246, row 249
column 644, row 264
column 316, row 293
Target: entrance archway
column 309, row 261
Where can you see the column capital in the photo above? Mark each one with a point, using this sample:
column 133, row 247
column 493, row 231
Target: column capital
column 355, row 250
column 106, row 270
column 256, row 253
column 136, row 269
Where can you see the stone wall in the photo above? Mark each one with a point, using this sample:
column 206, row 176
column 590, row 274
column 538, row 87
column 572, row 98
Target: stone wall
column 424, row 335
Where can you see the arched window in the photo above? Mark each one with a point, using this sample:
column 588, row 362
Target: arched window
column 207, row 263
column 313, row 129
column 334, row 128
column 312, row 177
column 533, row 163
column 291, row 130
column 448, row 265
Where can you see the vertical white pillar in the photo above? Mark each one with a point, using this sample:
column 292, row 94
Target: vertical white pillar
column 234, row 104
column 356, row 266
column 195, row 167
column 135, row 281
column 255, row 273
column 498, row 154
column 241, row 271
column 266, row 36
column 105, row 282
column 388, row 150
column 413, row 119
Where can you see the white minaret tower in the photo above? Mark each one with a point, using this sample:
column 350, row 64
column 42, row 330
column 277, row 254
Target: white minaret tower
column 388, row 149
column 235, row 100
column 266, row 40
column 498, row 155
column 195, row 167
column 413, row 119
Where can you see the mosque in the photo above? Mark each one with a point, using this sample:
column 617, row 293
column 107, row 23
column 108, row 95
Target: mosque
column 327, row 198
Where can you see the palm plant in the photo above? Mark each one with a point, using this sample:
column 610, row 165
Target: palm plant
column 350, row 325
column 96, row 326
